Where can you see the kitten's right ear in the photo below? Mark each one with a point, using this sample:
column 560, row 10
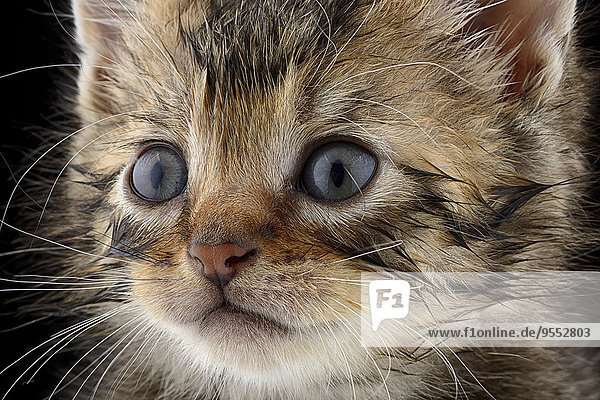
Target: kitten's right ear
column 99, row 25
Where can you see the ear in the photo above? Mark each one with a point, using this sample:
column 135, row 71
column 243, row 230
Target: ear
column 99, row 31
column 536, row 33
column 99, row 24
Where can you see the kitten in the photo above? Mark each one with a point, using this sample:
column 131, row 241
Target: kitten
column 217, row 245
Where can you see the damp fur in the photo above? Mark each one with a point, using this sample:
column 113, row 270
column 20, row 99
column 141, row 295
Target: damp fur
column 484, row 151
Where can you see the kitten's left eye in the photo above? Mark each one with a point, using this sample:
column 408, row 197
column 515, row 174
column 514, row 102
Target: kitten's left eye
column 159, row 174
column 337, row 171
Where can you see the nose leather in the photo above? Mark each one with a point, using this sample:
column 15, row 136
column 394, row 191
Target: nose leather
column 219, row 263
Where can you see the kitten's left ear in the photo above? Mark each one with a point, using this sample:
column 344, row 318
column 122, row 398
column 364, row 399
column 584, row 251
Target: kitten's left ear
column 537, row 32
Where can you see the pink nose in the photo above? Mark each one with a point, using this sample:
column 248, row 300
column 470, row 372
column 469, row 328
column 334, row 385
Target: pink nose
column 219, row 263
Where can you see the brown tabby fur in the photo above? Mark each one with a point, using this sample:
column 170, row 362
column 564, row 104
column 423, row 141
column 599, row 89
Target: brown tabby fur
column 482, row 149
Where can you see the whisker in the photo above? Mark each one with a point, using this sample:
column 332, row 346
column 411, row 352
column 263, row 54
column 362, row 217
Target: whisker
column 75, row 330
column 63, row 289
column 330, row 42
column 343, row 353
column 33, row 321
column 399, row 112
column 55, row 15
column 29, row 250
column 146, row 360
column 89, row 352
column 119, row 277
column 67, row 384
column 354, row 282
column 349, row 328
column 62, row 283
column 79, row 278
column 3, row 220
column 57, row 351
column 114, row 360
column 396, row 244
column 446, row 359
column 65, row 246
column 122, row 377
column 120, row 70
column 39, row 67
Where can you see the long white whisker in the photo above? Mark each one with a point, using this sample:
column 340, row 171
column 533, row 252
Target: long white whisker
column 362, row 128
column 347, row 364
column 29, row 250
column 3, row 221
column 146, row 360
column 63, row 289
column 386, row 247
column 73, row 331
column 457, row 357
column 329, row 42
column 132, row 361
column 58, row 334
column 78, row 65
column 484, row 7
column 62, row 283
column 87, row 353
column 108, row 276
column 114, row 360
column 349, row 281
column 77, row 334
column 38, row 68
column 59, row 389
column 68, row 247
column 54, row 277
column 398, row 243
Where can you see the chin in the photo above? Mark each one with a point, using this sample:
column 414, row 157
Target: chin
column 253, row 347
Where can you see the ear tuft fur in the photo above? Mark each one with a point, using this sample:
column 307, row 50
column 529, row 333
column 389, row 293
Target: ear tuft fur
column 99, row 24
column 99, row 31
column 536, row 33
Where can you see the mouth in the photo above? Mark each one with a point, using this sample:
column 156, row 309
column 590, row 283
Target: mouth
column 232, row 321
column 229, row 311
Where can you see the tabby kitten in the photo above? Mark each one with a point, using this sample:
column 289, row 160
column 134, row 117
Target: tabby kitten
column 238, row 164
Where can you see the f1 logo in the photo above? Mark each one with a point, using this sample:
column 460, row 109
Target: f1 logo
column 388, row 299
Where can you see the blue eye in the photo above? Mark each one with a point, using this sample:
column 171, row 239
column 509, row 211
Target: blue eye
column 337, row 171
column 159, row 174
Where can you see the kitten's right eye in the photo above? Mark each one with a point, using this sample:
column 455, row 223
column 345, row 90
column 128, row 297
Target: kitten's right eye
column 159, row 174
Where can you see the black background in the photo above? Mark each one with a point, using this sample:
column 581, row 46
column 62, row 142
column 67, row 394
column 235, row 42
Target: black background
column 31, row 36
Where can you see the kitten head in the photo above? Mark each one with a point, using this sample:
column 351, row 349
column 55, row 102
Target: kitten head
column 256, row 157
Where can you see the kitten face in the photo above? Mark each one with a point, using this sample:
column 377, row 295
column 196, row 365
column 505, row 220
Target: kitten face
column 243, row 164
column 246, row 162
column 244, row 153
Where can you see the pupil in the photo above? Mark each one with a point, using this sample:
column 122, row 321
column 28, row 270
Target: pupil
column 156, row 174
column 337, row 173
